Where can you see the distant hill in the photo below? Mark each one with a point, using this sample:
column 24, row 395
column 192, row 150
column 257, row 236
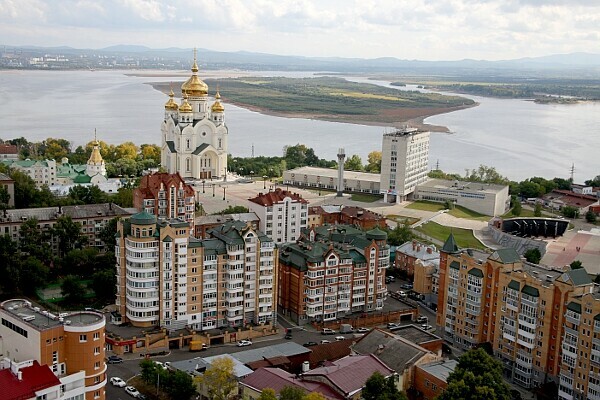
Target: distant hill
column 586, row 64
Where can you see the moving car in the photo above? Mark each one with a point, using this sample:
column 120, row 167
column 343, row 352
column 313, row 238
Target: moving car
column 118, row 382
column 133, row 392
column 338, row 338
column 327, row 331
column 114, row 360
column 362, row 330
column 325, row 341
column 243, row 343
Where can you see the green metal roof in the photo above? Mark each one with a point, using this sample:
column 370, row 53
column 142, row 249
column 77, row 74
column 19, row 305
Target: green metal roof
column 514, row 285
column 167, row 239
column 200, row 148
column 597, row 317
column 476, row 272
column 531, row 291
column 450, row 245
column 376, row 234
column 507, row 256
column 143, row 218
column 579, row 277
column 455, row 265
column 574, row 307
column 171, row 145
column 82, row 179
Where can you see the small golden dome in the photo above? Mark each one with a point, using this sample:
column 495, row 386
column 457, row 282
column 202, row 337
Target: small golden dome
column 95, row 157
column 171, row 105
column 185, row 106
column 217, row 107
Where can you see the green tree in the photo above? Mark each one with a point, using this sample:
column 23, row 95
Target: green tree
column 354, row 163
column 292, row 393
column 233, row 210
column 148, row 371
column 590, row 217
column 517, row 207
column 576, row 264
column 108, row 232
column 4, row 198
column 400, row 234
column 87, row 194
column 150, row 152
column 10, row 268
column 530, row 189
column 104, row 285
column 178, row 384
column 477, row 376
column 25, row 189
column 33, row 241
column 374, row 162
column 127, row 150
column 55, row 149
column 533, row 255
column 570, row 212
column 378, row 387
column 79, row 261
column 267, row 394
column 34, row 275
column 218, row 381
column 123, row 197
column 68, row 234
column 72, row 290
column 537, row 210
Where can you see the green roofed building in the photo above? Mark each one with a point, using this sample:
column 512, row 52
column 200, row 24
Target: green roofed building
column 331, row 272
column 170, row 279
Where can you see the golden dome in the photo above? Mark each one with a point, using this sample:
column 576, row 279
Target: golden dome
column 95, row 157
column 185, row 106
column 217, row 106
column 194, row 86
column 171, row 105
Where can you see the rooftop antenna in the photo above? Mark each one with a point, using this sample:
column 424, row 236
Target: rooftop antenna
column 437, row 165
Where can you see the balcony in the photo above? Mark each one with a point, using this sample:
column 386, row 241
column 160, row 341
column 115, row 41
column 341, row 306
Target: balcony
column 569, row 350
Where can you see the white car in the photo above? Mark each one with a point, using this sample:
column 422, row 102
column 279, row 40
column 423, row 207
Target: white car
column 116, row 381
column 426, row 327
column 362, row 330
column 243, row 343
column 325, row 341
column 340, row 338
column 160, row 365
column 133, row 392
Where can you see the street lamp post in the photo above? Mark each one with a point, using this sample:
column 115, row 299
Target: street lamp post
column 264, row 181
column 203, row 181
column 213, row 185
column 223, row 193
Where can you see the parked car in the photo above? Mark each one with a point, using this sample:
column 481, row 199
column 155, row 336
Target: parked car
column 401, row 294
column 309, row 344
column 407, row 286
column 288, row 335
column 422, row 319
column 362, row 330
column 133, row 392
column 243, row 343
column 142, row 397
column 390, row 279
column 327, row 331
column 393, row 325
column 346, row 328
column 426, row 327
column 114, row 360
column 160, row 365
column 118, row 382
column 338, row 338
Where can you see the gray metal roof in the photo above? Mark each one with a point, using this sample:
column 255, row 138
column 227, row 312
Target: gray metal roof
column 193, row 366
column 239, row 369
column 394, row 351
column 440, row 369
column 75, row 212
column 283, row 349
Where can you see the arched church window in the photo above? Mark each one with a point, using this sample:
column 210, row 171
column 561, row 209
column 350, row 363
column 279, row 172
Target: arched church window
column 187, row 143
column 187, row 165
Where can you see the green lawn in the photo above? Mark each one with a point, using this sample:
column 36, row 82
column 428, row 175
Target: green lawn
column 365, row 198
column 464, row 237
column 461, row 212
column 525, row 212
column 402, row 219
column 426, row 206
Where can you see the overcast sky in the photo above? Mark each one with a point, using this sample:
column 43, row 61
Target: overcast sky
column 407, row 29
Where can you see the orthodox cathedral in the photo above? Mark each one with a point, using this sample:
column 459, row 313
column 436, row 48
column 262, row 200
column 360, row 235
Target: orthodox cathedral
column 194, row 134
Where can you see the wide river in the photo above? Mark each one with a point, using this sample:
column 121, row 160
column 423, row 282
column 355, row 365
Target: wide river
column 520, row 138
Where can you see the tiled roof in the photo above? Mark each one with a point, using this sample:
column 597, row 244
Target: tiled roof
column 150, row 185
column 8, row 149
column 350, row 373
column 330, row 351
column 275, row 197
column 278, row 379
column 35, row 378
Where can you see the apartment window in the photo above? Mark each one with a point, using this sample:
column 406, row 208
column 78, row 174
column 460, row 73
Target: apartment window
column 82, row 338
column 96, row 350
column 97, row 336
column 97, row 379
column 54, row 357
column 97, row 365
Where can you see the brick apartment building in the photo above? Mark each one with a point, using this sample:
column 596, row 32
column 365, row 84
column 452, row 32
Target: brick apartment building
column 541, row 321
column 166, row 196
column 331, row 272
column 68, row 343
column 345, row 215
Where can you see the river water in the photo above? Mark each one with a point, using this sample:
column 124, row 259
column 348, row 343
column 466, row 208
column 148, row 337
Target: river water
column 519, row 138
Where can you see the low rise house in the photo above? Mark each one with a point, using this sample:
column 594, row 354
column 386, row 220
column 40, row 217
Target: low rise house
column 410, row 252
column 9, row 152
column 432, row 379
column 349, row 215
column 557, row 199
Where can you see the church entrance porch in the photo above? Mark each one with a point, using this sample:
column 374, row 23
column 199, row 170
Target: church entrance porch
column 205, row 174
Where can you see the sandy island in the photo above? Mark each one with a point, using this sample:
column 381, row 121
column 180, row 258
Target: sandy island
column 399, row 117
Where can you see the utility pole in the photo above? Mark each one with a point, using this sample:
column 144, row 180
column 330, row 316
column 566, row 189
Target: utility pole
column 572, row 172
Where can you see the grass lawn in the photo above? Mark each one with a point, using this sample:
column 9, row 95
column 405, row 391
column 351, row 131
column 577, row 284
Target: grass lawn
column 426, row 206
column 365, row 198
column 461, row 212
column 525, row 212
column 464, row 237
column 403, row 219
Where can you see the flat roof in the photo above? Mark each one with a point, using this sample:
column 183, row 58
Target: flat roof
column 287, row 349
column 440, row 369
column 42, row 319
column 463, row 186
column 333, row 173
column 415, row 334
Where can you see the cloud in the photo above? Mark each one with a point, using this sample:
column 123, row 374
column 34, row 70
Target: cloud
column 424, row 29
